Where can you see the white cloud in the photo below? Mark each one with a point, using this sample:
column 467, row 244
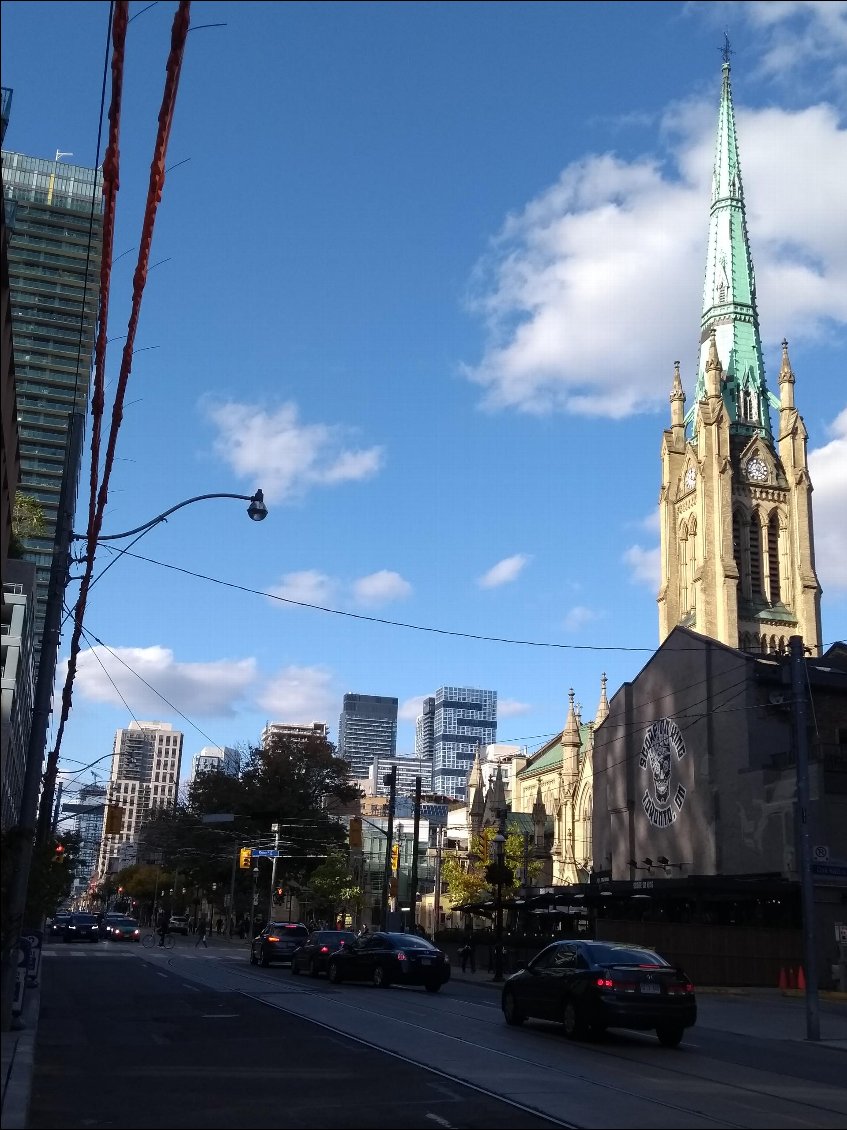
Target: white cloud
column 284, row 456
column 578, row 617
column 828, row 470
column 509, row 569
column 569, row 289
column 645, row 565
column 198, row 689
column 510, row 707
column 299, row 694
column 381, row 588
column 411, row 708
column 306, row 587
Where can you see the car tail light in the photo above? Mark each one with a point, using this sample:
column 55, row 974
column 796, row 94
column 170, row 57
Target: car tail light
column 324, row 949
column 273, row 938
column 605, row 982
column 680, row 988
column 401, row 956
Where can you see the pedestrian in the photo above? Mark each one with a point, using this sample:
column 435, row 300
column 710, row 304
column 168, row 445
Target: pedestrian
column 468, row 953
column 201, row 933
column 242, row 929
column 219, row 925
column 363, row 930
column 162, row 928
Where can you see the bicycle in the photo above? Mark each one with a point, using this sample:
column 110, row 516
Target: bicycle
column 150, row 941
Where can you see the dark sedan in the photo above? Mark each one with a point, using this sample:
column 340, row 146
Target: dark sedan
column 58, row 925
column 391, row 959
column 277, row 942
column 82, row 928
column 313, row 955
column 591, row 986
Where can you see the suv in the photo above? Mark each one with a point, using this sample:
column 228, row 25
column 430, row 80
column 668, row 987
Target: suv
column 178, row 924
column 277, row 942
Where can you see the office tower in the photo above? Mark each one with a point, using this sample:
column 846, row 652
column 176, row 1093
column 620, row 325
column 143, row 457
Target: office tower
column 88, row 825
column 367, row 729
column 16, row 663
column 425, row 729
column 145, row 771
column 54, row 227
column 291, row 731
column 465, row 719
column 216, row 759
column 408, row 768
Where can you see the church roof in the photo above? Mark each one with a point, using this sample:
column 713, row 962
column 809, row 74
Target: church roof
column 729, row 292
column 549, row 756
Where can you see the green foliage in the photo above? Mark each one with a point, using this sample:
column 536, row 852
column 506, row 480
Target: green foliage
column 27, row 522
column 465, row 878
column 333, row 887
column 50, row 880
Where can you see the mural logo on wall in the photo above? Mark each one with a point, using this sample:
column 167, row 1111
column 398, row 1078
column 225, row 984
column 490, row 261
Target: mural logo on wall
column 662, row 740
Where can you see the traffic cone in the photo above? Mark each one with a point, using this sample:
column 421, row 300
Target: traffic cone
column 792, row 984
column 801, row 978
column 783, row 980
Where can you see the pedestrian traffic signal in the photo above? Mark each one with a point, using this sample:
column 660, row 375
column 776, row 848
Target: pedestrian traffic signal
column 356, row 833
column 279, row 895
column 58, row 853
column 245, row 858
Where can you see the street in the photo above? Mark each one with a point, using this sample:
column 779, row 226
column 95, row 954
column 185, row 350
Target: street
column 195, row 1038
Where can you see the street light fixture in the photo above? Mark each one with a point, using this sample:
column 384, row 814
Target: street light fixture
column 257, row 510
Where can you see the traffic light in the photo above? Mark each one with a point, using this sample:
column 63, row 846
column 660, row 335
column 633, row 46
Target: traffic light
column 395, row 858
column 245, row 858
column 279, row 895
column 58, row 853
column 356, row 833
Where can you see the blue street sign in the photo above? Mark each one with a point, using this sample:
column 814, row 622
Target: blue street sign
column 266, row 853
column 830, row 870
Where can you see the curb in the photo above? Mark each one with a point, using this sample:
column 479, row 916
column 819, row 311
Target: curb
column 18, row 1063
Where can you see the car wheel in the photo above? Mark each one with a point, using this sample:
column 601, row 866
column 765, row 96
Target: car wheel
column 334, row 973
column 313, row 968
column 381, row 978
column 670, row 1035
column 511, row 1012
column 432, row 986
column 575, row 1027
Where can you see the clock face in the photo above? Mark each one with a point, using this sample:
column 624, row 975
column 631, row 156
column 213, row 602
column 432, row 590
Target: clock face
column 757, row 470
column 690, row 477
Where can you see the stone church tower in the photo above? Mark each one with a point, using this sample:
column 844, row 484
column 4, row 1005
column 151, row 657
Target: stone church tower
column 737, row 552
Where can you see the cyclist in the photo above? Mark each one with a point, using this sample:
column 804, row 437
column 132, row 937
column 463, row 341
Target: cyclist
column 163, row 928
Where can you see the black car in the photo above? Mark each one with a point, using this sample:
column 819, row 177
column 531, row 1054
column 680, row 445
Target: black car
column 313, row 955
column 591, row 986
column 58, row 923
column 277, row 942
column 388, row 958
column 82, row 928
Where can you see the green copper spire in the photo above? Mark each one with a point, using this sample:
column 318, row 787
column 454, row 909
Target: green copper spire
column 729, row 294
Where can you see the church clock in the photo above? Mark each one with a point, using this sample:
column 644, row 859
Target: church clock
column 757, row 470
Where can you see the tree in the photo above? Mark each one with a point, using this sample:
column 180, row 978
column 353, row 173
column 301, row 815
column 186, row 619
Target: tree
column 466, row 879
column 332, row 886
column 27, row 522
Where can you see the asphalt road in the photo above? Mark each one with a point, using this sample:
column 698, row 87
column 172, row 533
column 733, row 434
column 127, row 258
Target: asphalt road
column 128, row 1043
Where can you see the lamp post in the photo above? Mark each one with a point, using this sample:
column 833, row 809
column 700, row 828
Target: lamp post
column 499, row 842
column 255, row 896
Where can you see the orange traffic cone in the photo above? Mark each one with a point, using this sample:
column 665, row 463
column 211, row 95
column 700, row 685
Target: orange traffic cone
column 783, row 980
column 792, row 984
column 801, row 978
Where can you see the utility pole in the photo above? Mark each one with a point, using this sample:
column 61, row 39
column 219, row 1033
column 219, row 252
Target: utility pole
column 804, row 833
column 413, row 893
column 389, row 779
column 275, row 830
column 437, row 897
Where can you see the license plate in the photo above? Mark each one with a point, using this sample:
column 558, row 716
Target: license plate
column 426, row 961
column 650, row 987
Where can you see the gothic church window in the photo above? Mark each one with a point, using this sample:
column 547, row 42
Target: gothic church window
column 755, row 557
column 774, row 562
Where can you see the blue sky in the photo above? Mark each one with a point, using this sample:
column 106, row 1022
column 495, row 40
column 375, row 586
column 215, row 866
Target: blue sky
column 424, row 275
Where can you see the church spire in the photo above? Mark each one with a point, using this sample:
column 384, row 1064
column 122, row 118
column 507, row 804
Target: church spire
column 603, row 706
column 729, row 292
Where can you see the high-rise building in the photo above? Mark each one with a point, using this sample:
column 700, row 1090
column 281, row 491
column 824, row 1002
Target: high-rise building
column 408, row 768
column 88, row 825
column 425, row 728
column 464, row 719
column 54, row 226
column 367, row 729
column 292, row 731
column 17, row 666
column 216, row 759
column 145, row 772
column 736, row 503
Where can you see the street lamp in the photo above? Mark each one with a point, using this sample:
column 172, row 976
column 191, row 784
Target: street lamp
column 499, row 842
column 255, row 895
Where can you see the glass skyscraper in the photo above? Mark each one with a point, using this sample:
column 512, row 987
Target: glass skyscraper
column 367, row 729
column 54, row 224
column 464, row 719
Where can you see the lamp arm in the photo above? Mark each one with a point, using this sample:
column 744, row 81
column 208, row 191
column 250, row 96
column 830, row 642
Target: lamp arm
column 163, row 516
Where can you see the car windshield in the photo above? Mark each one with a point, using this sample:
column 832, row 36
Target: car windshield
column 409, row 942
column 327, row 937
column 624, row 955
column 83, row 919
column 291, row 929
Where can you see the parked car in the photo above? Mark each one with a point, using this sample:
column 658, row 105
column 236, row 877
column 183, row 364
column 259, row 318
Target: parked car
column 82, row 927
column 123, row 930
column 387, row 958
column 277, row 942
column 178, row 924
column 590, row 986
column 313, row 955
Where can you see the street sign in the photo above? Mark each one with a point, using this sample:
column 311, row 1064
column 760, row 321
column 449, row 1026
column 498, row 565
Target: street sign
column 265, row 853
column 820, row 853
column 830, row 870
